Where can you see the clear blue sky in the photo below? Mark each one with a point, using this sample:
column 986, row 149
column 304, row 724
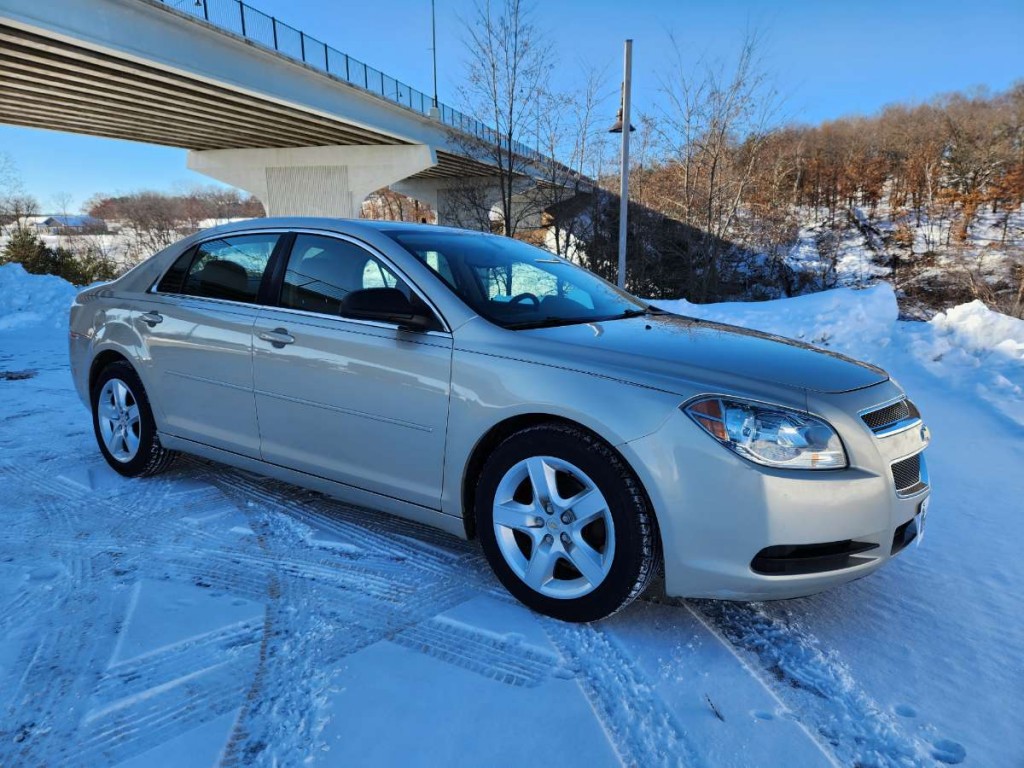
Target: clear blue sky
column 829, row 58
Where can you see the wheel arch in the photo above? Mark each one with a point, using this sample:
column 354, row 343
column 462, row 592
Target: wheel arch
column 101, row 361
column 506, row 428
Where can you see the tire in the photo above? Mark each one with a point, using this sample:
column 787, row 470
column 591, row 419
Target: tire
column 123, row 423
column 567, row 551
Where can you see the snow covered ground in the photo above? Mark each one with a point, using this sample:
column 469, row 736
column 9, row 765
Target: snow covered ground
column 208, row 616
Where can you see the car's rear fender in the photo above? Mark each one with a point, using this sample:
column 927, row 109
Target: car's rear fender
column 103, row 328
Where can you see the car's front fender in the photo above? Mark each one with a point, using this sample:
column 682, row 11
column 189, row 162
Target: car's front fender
column 488, row 391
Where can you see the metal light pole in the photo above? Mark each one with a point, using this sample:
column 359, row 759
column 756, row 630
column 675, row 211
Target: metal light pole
column 623, row 126
column 434, row 112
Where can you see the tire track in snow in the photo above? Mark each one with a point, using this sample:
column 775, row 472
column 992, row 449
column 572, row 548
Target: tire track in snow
column 362, row 528
column 133, row 677
column 639, row 724
column 240, row 733
column 63, row 657
column 815, row 686
column 55, row 667
column 372, row 579
column 136, row 724
column 497, row 657
column 307, row 632
column 59, row 677
column 391, row 585
column 300, row 658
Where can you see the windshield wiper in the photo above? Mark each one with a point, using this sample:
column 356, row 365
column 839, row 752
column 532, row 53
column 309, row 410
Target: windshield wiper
column 651, row 310
column 551, row 321
column 548, row 322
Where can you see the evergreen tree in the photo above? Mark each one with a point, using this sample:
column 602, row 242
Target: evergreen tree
column 24, row 247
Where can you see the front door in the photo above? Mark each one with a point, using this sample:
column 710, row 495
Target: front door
column 363, row 403
column 197, row 328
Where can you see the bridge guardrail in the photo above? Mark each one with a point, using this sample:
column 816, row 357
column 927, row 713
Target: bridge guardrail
column 269, row 32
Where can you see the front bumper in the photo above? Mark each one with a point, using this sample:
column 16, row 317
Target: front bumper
column 734, row 530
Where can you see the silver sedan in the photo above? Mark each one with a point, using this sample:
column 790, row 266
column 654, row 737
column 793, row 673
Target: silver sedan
column 494, row 390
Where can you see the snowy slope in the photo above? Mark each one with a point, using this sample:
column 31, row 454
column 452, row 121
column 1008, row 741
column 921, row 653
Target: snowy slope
column 208, row 616
column 860, row 246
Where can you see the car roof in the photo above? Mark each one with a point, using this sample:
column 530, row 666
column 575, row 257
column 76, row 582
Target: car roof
column 345, row 226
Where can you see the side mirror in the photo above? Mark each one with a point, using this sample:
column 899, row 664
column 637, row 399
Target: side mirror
column 388, row 305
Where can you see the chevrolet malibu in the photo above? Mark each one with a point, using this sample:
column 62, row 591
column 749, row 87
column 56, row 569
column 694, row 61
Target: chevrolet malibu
column 496, row 391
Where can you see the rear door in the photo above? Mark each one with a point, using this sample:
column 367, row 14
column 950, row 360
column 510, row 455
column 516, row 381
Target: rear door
column 197, row 328
column 363, row 403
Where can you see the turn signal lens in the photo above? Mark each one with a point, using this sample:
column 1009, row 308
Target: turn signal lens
column 708, row 414
column 769, row 435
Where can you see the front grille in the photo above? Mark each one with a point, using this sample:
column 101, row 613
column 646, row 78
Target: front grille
column 883, row 418
column 907, row 476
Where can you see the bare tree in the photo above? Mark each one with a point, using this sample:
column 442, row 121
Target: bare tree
column 509, row 62
column 10, row 180
column 566, row 129
column 715, row 129
column 150, row 221
column 62, row 207
column 15, row 205
column 16, row 210
column 62, row 202
column 387, row 205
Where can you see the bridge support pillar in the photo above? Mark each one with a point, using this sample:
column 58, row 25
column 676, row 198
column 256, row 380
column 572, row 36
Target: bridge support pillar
column 313, row 181
column 473, row 202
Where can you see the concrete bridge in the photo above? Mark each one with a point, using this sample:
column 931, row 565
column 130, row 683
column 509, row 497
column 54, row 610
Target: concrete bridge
column 258, row 104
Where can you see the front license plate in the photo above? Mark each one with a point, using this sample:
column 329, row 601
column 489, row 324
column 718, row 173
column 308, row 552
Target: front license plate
column 922, row 517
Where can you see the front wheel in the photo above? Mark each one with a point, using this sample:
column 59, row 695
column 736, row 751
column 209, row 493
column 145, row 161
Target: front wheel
column 123, row 422
column 564, row 523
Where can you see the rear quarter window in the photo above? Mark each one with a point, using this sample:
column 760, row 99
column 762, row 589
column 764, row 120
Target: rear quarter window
column 173, row 279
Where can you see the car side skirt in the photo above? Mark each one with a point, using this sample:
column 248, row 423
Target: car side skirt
column 349, row 494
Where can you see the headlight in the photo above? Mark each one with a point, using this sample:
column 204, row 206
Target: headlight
column 769, row 434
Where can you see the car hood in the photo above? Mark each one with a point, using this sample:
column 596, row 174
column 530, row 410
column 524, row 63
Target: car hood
column 674, row 345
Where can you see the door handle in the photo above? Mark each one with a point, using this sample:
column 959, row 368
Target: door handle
column 152, row 318
column 278, row 337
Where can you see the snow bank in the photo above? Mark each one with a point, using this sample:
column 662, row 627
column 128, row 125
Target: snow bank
column 27, row 300
column 978, row 330
column 856, row 321
column 980, row 348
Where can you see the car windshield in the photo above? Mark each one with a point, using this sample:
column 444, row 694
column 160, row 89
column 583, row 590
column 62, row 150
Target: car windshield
column 514, row 284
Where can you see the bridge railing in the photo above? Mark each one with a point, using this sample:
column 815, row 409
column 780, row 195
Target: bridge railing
column 267, row 31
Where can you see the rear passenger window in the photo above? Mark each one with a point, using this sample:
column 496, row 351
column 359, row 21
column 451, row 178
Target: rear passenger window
column 229, row 268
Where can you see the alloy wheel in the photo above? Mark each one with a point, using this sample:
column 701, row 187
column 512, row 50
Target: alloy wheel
column 118, row 417
column 553, row 527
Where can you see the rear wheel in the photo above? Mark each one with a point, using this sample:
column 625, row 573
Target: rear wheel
column 565, row 524
column 123, row 423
